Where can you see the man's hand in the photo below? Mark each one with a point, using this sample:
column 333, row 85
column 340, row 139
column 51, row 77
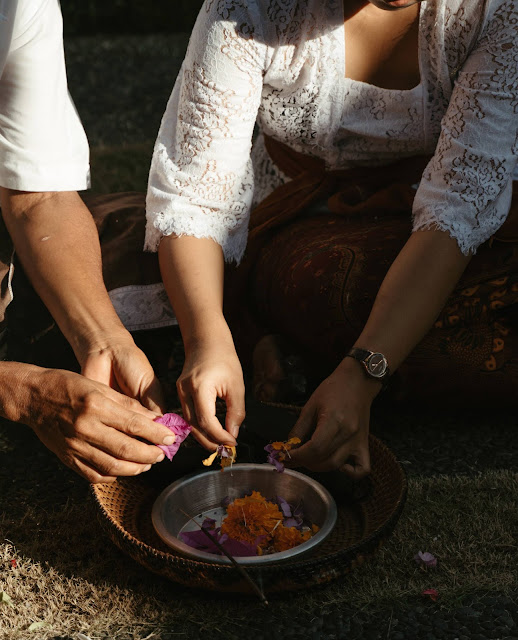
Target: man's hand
column 118, row 363
column 336, row 418
column 92, row 428
column 212, row 370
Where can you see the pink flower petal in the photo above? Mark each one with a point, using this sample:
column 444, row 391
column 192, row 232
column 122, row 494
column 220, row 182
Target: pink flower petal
column 432, row 593
column 179, row 427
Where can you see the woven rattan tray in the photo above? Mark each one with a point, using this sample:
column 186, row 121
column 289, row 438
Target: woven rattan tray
column 365, row 519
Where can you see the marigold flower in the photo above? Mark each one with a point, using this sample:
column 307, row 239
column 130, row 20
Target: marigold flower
column 251, row 517
column 285, row 538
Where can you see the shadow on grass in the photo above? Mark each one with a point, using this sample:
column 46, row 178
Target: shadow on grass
column 69, row 574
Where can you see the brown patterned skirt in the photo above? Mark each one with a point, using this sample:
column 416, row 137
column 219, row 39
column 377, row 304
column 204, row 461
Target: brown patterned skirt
column 311, row 274
column 315, row 282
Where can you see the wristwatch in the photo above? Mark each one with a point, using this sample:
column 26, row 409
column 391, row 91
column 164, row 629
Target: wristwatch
column 374, row 363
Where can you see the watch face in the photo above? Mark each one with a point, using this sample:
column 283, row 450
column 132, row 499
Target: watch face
column 377, row 365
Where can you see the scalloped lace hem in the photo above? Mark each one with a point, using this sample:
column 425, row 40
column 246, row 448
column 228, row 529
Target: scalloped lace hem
column 467, row 243
column 160, row 225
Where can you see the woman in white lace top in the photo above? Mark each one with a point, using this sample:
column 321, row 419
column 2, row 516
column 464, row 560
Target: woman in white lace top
column 352, row 84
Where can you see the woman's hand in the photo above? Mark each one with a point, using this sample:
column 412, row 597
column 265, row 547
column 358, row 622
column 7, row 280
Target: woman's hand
column 337, row 419
column 115, row 360
column 92, row 428
column 212, row 370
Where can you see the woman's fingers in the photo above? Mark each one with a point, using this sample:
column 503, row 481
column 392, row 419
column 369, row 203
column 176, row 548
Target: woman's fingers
column 205, row 442
column 189, row 413
column 331, row 446
column 305, row 423
column 235, row 402
column 357, row 464
column 206, row 421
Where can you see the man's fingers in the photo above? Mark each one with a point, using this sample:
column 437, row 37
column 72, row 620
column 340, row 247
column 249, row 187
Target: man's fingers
column 89, row 473
column 126, row 421
column 152, row 396
column 131, row 404
column 107, row 467
column 119, row 446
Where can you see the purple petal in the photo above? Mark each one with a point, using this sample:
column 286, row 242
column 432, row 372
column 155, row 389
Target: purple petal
column 198, row 540
column 276, row 463
column 225, row 502
column 179, row 427
column 239, row 549
column 209, row 524
column 269, row 448
column 285, row 507
column 427, row 559
column 223, row 452
column 292, row 522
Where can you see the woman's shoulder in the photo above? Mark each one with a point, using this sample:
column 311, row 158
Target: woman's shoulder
column 278, row 22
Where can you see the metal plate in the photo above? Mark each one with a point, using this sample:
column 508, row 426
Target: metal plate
column 203, row 493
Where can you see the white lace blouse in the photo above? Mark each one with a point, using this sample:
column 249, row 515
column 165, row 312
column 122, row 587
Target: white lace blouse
column 282, row 63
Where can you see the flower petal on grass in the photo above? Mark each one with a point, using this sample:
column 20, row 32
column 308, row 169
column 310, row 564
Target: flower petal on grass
column 179, row 427
column 431, row 593
column 425, row 559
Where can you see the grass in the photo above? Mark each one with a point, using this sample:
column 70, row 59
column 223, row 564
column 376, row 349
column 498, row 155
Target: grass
column 117, row 169
column 70, row 578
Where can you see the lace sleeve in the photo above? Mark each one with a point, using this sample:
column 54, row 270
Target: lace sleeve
column 201, row 178
column 466, row 188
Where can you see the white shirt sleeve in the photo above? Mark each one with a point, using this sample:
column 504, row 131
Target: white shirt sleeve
column 201, row 178
column 43, row 146
column 466, row 188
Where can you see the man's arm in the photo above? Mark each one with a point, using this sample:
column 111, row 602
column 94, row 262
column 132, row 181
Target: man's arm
column 56, row 240
column 93, row 429
column 90, row 426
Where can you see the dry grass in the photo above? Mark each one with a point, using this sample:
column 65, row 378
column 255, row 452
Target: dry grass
column 69, row 576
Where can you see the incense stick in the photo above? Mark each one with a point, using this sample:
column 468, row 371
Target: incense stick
column 239, row 567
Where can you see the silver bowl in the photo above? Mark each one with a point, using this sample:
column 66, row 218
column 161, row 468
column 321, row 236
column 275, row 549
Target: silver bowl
column 200, row 496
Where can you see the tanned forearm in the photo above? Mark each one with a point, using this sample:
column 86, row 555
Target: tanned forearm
column 412, row 295
column 15, row 390
column 57, row 243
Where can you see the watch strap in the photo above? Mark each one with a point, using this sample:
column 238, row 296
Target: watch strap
column 362, row 356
